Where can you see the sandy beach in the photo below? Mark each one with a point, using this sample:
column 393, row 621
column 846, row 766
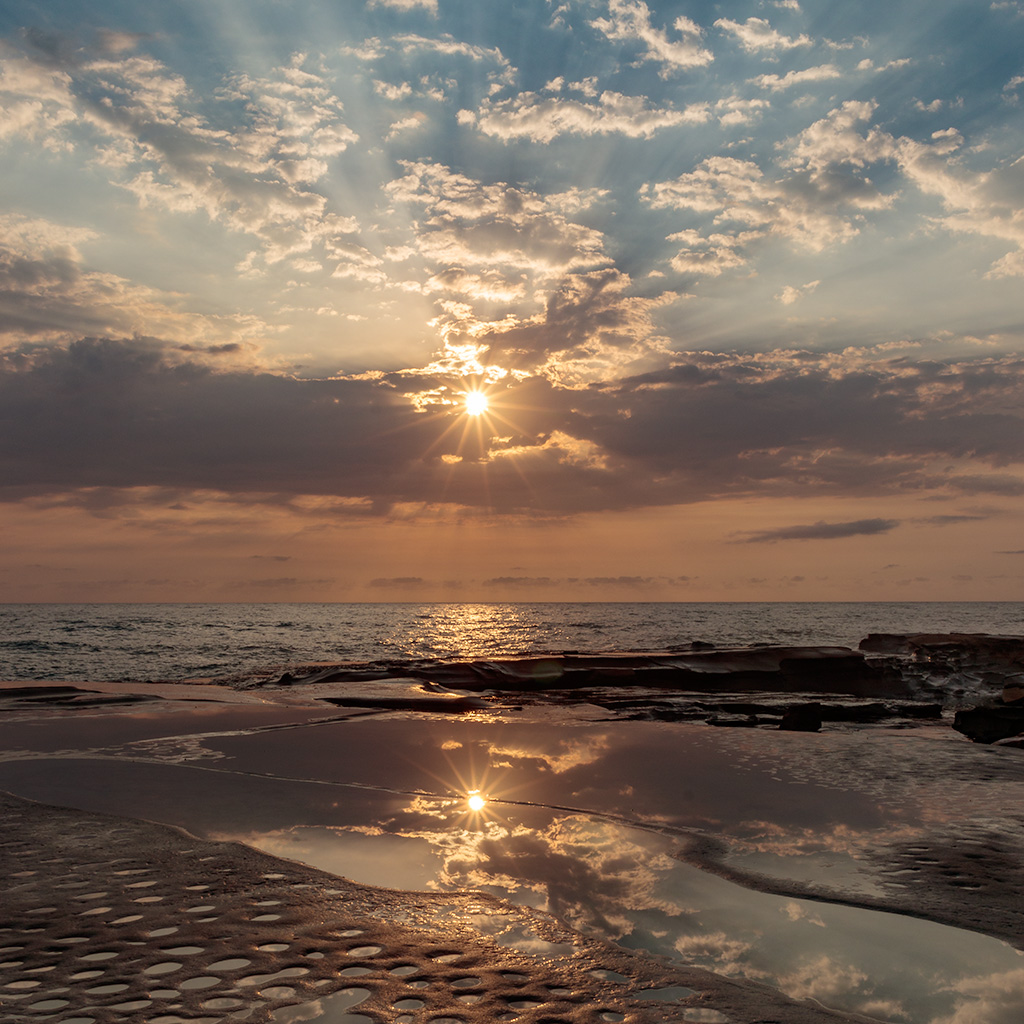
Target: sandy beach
column 303, row 848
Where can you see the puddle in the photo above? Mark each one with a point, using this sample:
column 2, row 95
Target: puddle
column 332, row 1009
column 601, row 878
column 664, row 995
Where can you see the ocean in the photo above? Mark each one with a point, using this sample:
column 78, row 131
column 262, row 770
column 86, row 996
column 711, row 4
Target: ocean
column 136, row 642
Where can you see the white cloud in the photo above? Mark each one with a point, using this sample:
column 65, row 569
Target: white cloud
column 489, row 286
column 708, row 262
column 406, row 124
column 630, row 21
column 739, row 191
column 406, row 5
column 47, row 293
column 392, row 92
column 792, row 293
column 777, row 83
column 145, row 126
column 733, row 111
column 543, row 118
column 835, row 139
column 37, row 101
column 479, row 242
column 757, row 34
column 989, row 204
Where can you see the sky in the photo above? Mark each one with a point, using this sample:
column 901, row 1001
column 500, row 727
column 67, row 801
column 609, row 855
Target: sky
column 742, row 284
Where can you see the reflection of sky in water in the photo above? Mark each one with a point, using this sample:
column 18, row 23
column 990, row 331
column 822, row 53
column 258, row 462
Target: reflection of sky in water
column 622, row 883
column 341, row 796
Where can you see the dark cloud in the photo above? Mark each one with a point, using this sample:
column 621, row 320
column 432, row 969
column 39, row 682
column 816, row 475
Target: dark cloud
column 622, row 581
column 384, row 582
column 101, row 415
column 521, row 581
column 823, row 531
column 277, row 582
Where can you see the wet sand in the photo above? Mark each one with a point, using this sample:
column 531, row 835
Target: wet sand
column 917, row 821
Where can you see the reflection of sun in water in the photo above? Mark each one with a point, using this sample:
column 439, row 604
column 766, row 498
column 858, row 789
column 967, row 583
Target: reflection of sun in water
column 475, row 800
column 476, row 403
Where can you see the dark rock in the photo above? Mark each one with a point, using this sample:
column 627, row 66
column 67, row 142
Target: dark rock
column 450, row 705
column 989, row 724
column 918, row 710
column 734, row 721
column 802, row 718
column 286, row 679
column 1016, row 742
column 1013, row 692
column 874, row 712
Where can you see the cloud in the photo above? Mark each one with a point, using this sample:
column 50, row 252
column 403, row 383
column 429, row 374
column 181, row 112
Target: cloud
column 146, row 128
column 630, row 21
column 733, row 110
column 544, row 118
column 823, row 188
column 591, row 328
column 791, row 293
column 430, row 6
column 495, row 243
column 711, row 256
column 521, row 581
column 757, row 34
column 146, row 414
column 776, row 83
column 813, row 213
column 47, row 293
column 823, row 531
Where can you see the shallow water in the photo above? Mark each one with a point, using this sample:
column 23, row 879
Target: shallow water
column 382, row 801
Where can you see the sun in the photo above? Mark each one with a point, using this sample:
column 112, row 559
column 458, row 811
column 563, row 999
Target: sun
column 476, row 800
column 476, row 403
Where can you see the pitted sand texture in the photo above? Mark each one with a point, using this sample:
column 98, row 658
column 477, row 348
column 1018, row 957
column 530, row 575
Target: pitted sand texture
column 109, row 920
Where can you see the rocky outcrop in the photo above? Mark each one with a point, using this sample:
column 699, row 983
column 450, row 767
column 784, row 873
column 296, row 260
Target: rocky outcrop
column 989, row 724
column 802, row 718
column 832, row 670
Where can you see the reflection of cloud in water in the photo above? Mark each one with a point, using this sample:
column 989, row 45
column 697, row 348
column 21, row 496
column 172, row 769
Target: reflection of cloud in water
column 625, row 885
column 995, row 999
column 725, row 951
column 560, row 756
column 769, row 837
column 584, row 872
column 827, row 981
column 795, row 912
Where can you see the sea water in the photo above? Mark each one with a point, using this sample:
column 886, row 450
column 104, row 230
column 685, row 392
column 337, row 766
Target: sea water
column 103, row 642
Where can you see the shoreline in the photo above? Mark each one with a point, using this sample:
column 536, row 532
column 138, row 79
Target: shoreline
column 265, row 729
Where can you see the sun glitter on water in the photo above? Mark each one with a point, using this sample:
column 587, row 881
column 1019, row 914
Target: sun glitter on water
column 476, row 403
column 475, row 800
